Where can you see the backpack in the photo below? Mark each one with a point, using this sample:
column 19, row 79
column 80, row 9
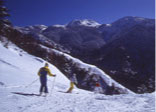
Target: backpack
column 43, row 71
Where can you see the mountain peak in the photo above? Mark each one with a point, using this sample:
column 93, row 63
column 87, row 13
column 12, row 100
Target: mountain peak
column 84, row 22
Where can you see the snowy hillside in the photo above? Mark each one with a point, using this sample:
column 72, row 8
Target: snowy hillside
column 21, row 67
column 106, row 81
column 18, row 69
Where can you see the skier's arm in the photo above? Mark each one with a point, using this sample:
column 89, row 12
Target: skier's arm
column 49, row 72
column 39, row 73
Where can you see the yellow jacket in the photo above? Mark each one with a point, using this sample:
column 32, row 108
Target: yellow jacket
column 46, row 69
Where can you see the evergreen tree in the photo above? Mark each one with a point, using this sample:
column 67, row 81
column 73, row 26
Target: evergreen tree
column 3, row 14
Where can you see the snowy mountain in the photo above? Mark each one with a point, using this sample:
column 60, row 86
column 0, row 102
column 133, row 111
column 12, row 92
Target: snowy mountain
column 75, row 37
column 129, row 44
column 111, row 31
column 29, row 29
column 87, row 75
column 85, row 22
column 121, row 48
column 19, row 69
column 91, row 74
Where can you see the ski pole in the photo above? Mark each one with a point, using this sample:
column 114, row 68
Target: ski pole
column 52, row 86
column 31, row 83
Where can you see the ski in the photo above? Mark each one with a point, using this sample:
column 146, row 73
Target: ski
column 26, row 94
column 67, row 92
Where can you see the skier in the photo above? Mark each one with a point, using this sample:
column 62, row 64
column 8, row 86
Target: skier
column 98, row 88
column 43, row 78
column 73, row 81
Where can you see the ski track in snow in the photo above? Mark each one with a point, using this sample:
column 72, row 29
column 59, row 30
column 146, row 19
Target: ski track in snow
column 15, row 73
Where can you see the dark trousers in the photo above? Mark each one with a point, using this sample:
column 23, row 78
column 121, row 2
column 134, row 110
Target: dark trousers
column 43, row 87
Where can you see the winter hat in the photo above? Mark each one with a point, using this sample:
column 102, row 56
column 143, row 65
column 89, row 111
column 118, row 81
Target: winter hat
column 46, row 64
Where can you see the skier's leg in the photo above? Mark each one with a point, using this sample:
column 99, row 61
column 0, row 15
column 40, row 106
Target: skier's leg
column 45, row 86
column 71, row 87
column 41, row 89
column 42, row 85
column 45, row 89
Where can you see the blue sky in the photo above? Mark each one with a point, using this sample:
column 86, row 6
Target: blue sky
column 50, row 12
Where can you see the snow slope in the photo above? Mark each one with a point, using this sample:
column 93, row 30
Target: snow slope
column 95, row 70
column 18, row 69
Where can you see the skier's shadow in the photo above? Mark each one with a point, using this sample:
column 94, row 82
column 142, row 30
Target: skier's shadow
column 25, row 94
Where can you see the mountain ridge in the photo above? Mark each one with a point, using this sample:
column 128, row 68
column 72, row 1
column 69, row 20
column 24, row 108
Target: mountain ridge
column 108, row 47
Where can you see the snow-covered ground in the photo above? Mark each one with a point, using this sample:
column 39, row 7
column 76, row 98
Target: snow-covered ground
column 18, row 69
